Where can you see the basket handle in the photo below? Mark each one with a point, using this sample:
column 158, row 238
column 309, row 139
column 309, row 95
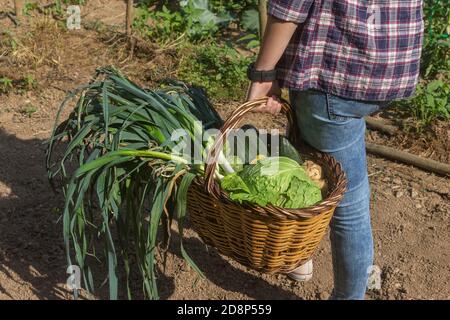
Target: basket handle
column 231, row 123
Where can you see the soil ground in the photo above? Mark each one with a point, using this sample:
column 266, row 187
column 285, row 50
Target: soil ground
column 410, row 207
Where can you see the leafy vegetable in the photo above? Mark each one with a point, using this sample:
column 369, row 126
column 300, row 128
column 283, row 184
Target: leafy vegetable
column 250, row 20
column 120, row 143
column 127, row 179
column 279, row 181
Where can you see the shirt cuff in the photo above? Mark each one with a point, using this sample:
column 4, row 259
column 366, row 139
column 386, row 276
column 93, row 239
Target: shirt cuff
column 286, row 14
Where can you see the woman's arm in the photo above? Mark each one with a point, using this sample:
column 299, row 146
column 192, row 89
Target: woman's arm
column 276, row 38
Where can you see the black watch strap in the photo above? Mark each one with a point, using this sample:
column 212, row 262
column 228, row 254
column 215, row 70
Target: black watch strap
column 261, row 76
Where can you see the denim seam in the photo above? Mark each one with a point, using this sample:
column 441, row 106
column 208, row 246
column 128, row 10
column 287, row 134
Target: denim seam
column 336, row 262
column 330, row 110
column 329, row 107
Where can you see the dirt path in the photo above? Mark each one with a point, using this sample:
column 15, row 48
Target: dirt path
column 410, row 208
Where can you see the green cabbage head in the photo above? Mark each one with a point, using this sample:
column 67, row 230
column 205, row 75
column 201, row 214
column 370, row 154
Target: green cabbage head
column 279, row 181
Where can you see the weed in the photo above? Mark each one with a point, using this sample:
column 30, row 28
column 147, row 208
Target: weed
column 220, row 69
column 28, row 110
column 431, row 99
column 235, row 6
column 435, row 56
column 193, row 17
column 6, row 85
column 29, row 82
column 30, row 7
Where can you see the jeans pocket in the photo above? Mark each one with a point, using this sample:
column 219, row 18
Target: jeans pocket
column 341, row 109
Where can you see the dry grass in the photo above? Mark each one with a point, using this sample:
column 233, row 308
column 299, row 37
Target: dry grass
column 41, row 45
column 46, row 49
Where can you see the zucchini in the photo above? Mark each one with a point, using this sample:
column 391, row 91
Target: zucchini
column 286, row 149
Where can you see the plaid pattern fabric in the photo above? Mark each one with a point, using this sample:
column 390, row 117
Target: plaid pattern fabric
column 357, row 49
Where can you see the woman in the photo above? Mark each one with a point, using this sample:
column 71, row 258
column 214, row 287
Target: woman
column 341, row 60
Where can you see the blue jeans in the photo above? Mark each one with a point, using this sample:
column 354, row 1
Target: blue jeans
column 335, row 125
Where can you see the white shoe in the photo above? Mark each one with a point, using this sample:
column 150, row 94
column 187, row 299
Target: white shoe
column 303, row 273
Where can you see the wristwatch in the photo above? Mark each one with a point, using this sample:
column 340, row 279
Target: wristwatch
column 260, row 76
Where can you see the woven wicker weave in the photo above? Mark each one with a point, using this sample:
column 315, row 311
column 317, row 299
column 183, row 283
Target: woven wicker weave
column 269, row 239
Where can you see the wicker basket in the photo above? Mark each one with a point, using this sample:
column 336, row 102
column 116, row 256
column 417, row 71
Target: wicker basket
column 269, row 239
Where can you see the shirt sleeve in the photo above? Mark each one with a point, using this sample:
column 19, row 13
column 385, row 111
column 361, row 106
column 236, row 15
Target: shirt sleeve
column 290, row 10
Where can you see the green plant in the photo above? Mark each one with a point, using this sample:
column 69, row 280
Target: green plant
column 57, row 8
column 14, row 44
column 436, row 45
column 250, row 40
column 130, row 180
column 193, row 18
column 29, row 82
column 202, row 22
column 161, row 25
column 6, row 84
column 220, row 69
column 250, row 20
column 235, row 6
column 121, row 137
column 278, row 181
column 430, row 101
column 28, row 110
column 29, row 7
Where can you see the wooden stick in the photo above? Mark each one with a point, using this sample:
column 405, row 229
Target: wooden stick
column 262, row 18
column 13, row 18
column 18, row 8
column 405, row 157
column 129, row 18
column 380, row 126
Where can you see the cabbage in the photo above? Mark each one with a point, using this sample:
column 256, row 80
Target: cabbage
column 279, row 181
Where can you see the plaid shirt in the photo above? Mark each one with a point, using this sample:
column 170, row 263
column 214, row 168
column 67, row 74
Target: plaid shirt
column 358, row 49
